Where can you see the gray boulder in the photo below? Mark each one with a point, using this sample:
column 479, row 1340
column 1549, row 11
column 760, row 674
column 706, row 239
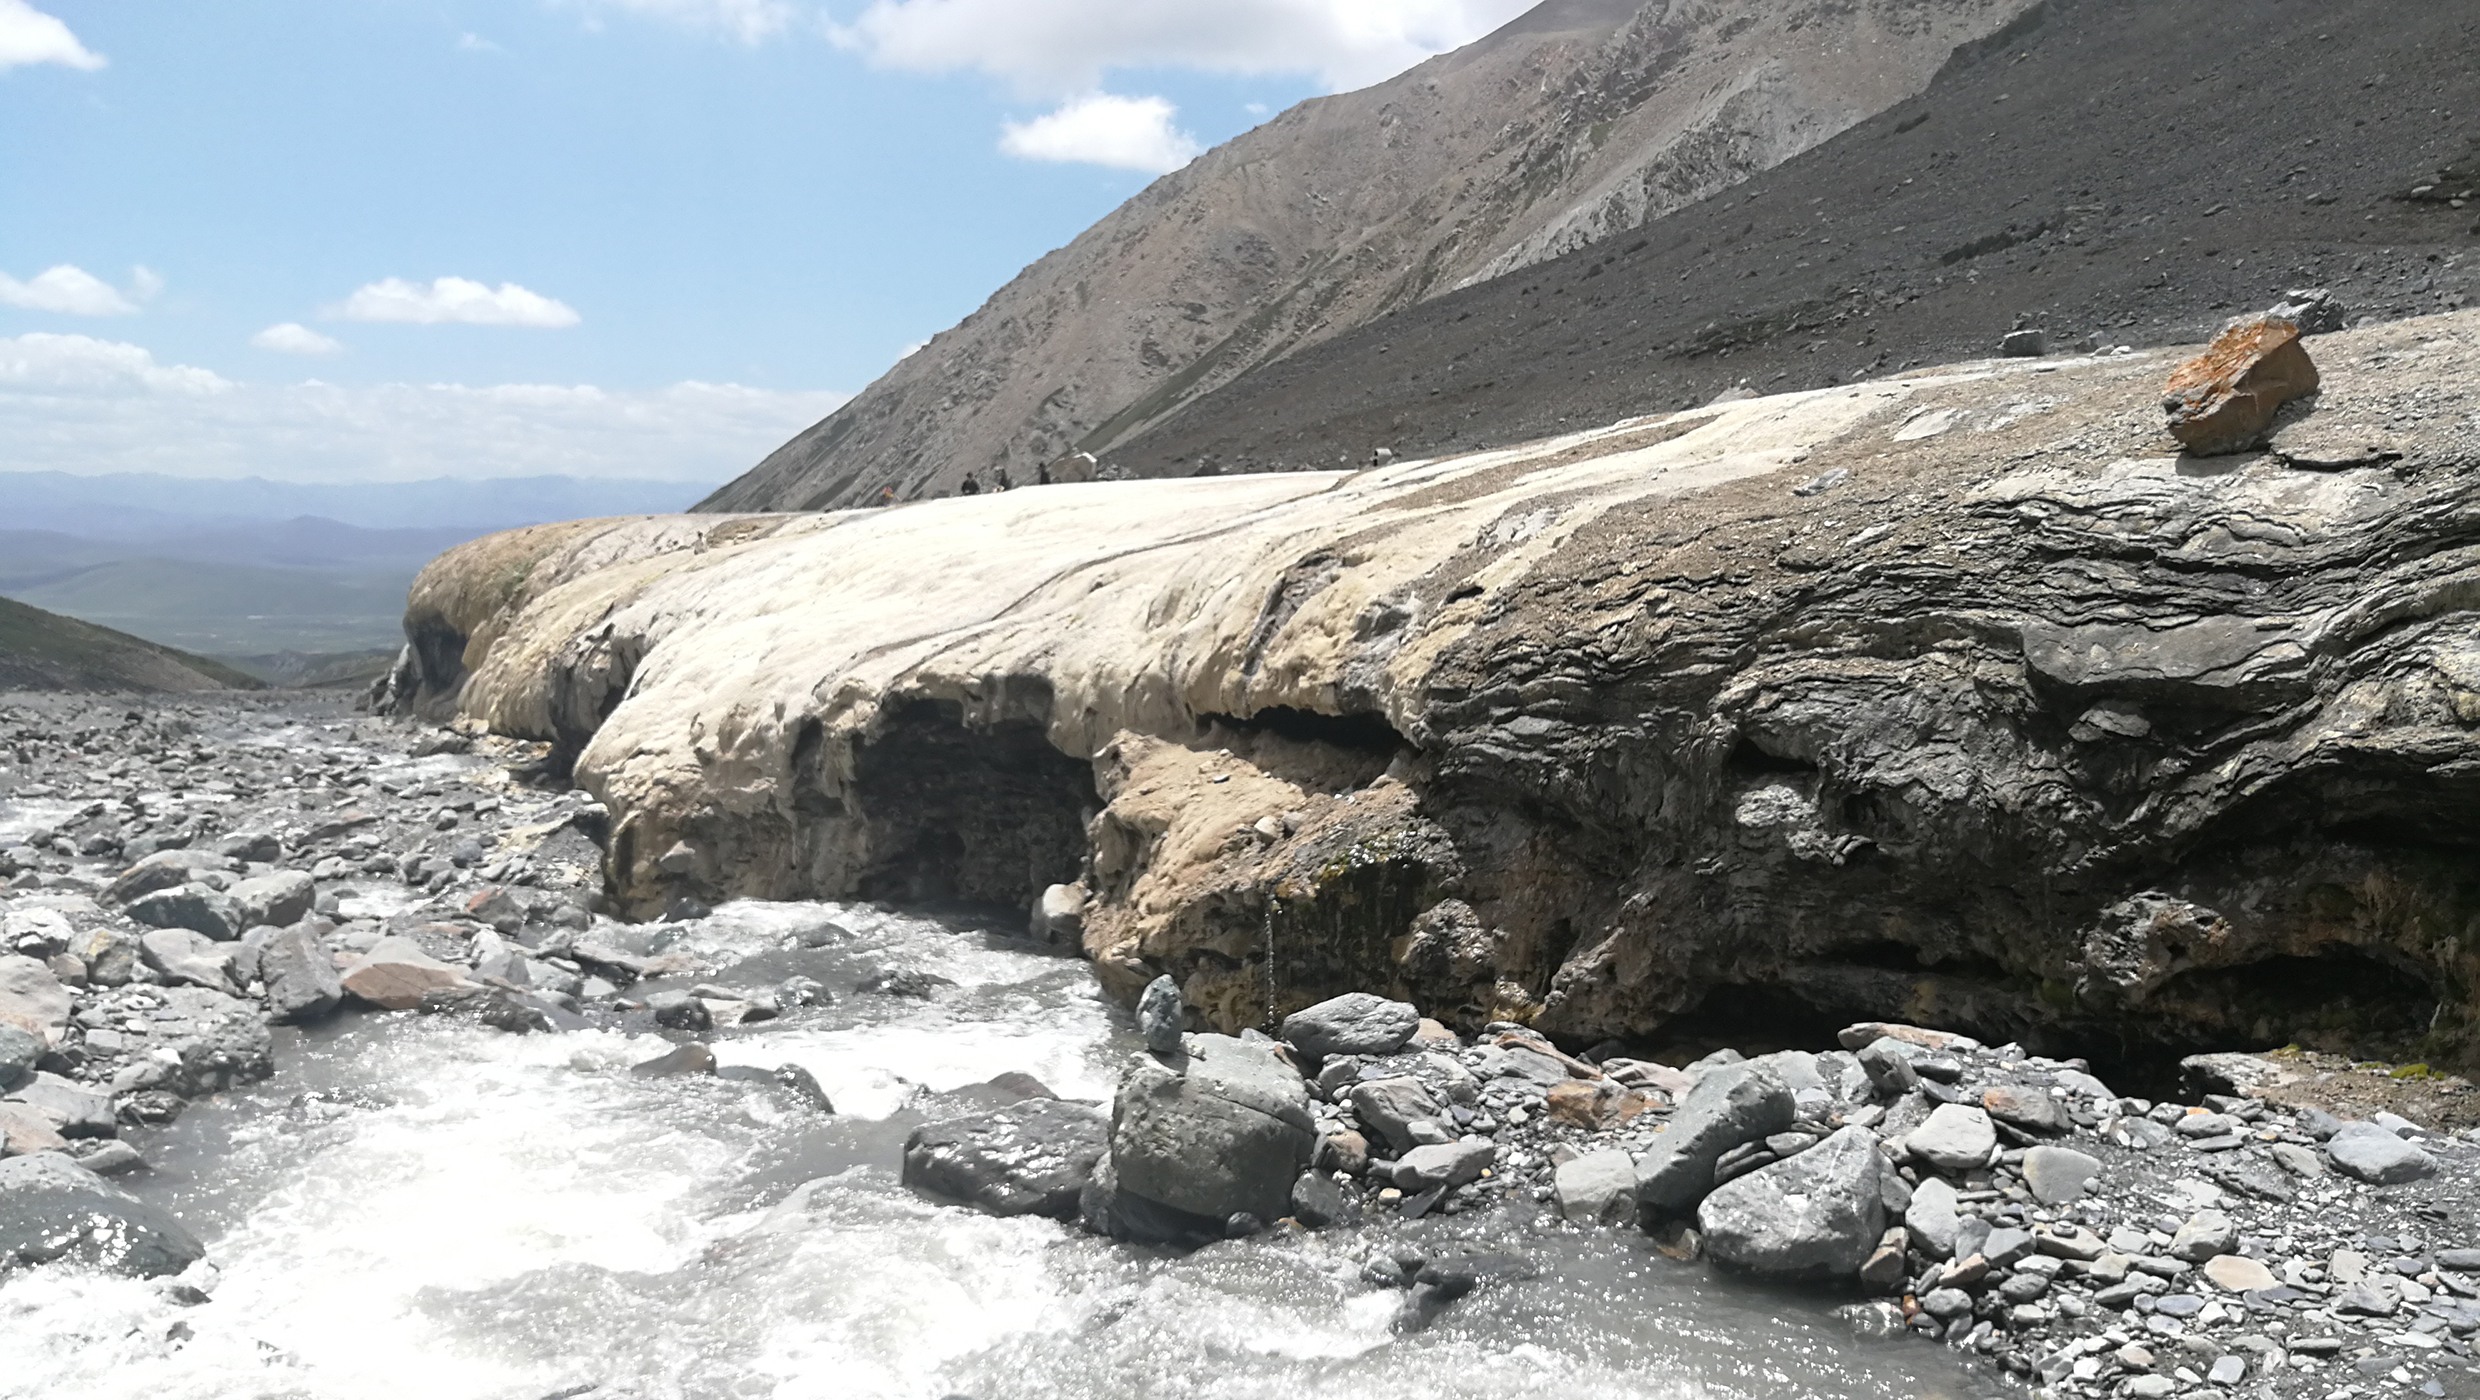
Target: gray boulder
column 279, row 899
column 1389, row 1107
column 53, row 1209
column 1032, row 1157
column 73, row 1110
column 1162, row 1016
column 1731, row 1105
column 1815, row 1216
column 2378, row 1157
column 161, row 871
column 1444, row 1164
column 2204, row 1235
column 1356, row 1023
column 1224, row 1133
column 1888, row 1064
column 193, row 907
column 110, row 955
column 1597, row 1187
column 1956, row 1137
column 2057, row 1175
column 299, row 974
column 32, row 999
column 190, row 958
column 1934, row 1218
column 19, row 1049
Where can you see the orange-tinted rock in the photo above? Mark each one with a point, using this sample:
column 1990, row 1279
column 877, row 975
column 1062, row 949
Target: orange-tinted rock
column 1596, row 1104
column 2224, row 399
column 395, row 974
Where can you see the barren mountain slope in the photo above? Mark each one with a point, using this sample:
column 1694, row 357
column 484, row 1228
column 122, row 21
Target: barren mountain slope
column 2134, row 173
column 1582, row 117
column 45, row 651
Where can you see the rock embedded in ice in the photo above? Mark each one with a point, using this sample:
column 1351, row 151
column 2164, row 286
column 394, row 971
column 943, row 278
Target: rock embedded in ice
column 53, row 1209
column 1032, row 1157
column 1955, row 1137
column 1730, row 1106
column 1356, row 1023
column 1815, row 1216
column 2378, row 1157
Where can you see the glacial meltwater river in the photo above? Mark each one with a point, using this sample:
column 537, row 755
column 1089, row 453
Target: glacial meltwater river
column 417, row 1208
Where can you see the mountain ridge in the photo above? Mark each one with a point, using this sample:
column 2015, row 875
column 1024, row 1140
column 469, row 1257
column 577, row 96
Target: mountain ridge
column 1579, row 117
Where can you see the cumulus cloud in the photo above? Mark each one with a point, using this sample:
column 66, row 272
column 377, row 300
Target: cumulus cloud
column 749, row 21
column 80, row 364
column 1066, row 46
column 73, row 291
column 29, row 36
column 1126, row 133
column 73, row 403
column 455, row 301
column 294, row 338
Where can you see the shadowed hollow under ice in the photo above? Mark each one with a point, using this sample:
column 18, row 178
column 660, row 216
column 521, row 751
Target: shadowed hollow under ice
column 420, row 1207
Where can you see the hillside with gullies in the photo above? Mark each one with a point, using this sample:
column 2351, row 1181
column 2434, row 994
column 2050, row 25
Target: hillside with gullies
column 1580, row 119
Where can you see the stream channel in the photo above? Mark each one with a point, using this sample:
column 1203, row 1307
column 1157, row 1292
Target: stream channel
column 420, row 1206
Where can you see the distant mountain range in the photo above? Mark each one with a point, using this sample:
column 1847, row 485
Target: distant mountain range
column 252, row 569
column 136, row 505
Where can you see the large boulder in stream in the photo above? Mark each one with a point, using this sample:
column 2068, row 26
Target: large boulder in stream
column 1729, row 1106
column 1222, row 1131
column 1032, row 1157
column 52, row 1209
column 1814, row 1216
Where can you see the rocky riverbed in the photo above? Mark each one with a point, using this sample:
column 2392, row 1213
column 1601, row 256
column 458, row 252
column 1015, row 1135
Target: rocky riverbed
column 326, row 1075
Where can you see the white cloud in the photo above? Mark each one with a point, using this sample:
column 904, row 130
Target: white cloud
column 471, row 42
column 1066, row 46
column 455, row 300
column 29, row 36
column 750, row 21
column 80, row 364
column 73, row 291
column 1126, row 133
column 73, row 403
column 294, row 338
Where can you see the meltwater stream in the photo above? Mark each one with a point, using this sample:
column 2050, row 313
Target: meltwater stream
column 421, row 1207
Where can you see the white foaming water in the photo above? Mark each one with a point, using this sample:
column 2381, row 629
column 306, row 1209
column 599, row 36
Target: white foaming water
column 418, row 1207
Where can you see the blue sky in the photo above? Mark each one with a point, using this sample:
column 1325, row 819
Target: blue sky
column 674, row 231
